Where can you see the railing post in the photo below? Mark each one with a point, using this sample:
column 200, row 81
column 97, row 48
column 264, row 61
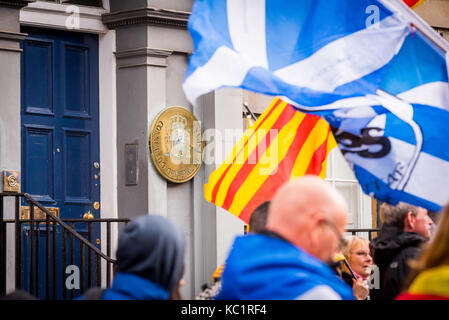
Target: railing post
column 37, row 259
column 47, row 260
column 97, row 271
column 72, row 254
column 54, row 255
column 2, row 250
column 82, row 267
column 108, row 253
column 89, row 256
column 18, row 244
column 64, row 264
column 31, row 244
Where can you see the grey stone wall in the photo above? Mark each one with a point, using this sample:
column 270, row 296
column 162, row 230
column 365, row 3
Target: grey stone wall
column 153, row 46
column 10, row 132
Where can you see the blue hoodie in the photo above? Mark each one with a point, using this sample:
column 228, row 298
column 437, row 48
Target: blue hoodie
column 150, row 260
column 128, row 286
column 261, row 267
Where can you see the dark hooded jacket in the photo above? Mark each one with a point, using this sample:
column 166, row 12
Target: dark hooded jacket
column 150, row 260
column 392, row 251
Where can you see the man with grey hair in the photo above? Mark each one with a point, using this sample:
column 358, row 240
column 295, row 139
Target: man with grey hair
column 405, row 228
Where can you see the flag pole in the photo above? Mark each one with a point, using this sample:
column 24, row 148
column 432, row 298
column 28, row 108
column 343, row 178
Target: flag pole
column 245, row 104
column 417, row 22
column 428, row 37
column 349, row 268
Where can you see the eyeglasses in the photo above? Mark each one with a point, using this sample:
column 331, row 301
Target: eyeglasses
column 361, row 253
column 341, row 240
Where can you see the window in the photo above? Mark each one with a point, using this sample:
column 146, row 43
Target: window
column 341, row 176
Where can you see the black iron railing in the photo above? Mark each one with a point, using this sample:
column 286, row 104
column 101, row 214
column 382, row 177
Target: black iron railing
column 62, row 244
column 372, row 233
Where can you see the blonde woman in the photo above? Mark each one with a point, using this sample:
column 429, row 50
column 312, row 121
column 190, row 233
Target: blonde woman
column 429, row 278
column 357, row 254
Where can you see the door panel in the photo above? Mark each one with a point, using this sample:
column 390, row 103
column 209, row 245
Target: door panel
column 77, row 168
column 38, row 93
column 60, row 128
column 76, row 86
column 38, row 152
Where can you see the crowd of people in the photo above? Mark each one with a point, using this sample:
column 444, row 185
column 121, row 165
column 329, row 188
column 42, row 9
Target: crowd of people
column 295, row 249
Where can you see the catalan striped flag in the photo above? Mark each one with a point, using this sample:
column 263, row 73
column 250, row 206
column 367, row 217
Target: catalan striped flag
column 281, row 145
column 413, row 3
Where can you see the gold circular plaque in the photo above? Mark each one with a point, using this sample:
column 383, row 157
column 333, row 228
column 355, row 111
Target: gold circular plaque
column 176, row 144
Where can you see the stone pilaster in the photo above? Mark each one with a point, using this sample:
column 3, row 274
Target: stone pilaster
column 10, row 130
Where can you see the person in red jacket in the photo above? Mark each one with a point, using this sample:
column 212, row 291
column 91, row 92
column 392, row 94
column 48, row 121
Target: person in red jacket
column 429, row 278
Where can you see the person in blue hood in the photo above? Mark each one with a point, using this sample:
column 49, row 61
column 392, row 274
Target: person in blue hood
column 150, row 261
column 288, row 260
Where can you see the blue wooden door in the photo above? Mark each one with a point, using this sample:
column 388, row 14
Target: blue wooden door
column 60, row 125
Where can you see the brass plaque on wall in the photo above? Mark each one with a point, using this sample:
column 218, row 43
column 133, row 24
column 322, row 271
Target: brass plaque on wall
column 11, row 181
column 38, row 213
column 176, row 144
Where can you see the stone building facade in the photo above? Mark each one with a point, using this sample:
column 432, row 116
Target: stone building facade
column 142, row 49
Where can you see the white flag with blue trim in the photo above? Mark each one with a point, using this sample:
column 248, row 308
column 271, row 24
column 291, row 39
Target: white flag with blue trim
column 381, row 84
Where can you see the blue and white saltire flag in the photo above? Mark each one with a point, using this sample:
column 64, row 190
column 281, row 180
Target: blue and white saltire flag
column 312, row 51
column 360, row 64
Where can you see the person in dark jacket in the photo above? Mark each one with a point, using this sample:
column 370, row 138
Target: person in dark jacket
column 150, row 261
column 405, row 229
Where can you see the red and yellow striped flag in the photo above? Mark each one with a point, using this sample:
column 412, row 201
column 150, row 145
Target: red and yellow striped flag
column 413, row 3
column 281, row 145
